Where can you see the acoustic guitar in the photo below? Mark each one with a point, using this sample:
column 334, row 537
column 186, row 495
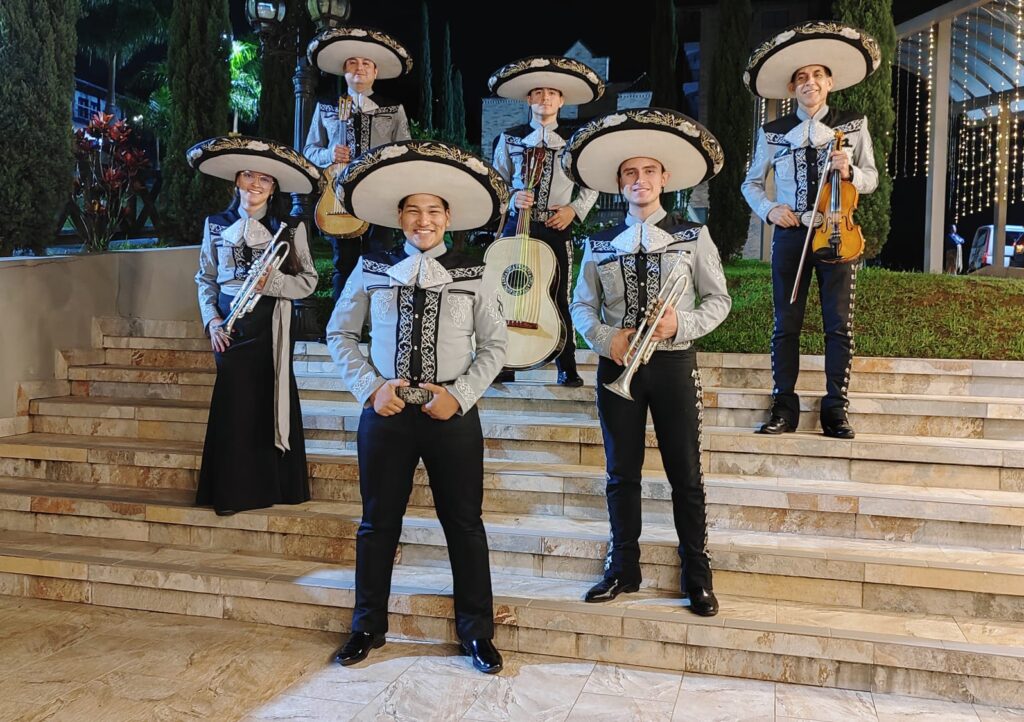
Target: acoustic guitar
column 526, row 273
column 331, row 217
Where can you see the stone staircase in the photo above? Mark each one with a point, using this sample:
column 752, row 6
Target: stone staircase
column 892, row 563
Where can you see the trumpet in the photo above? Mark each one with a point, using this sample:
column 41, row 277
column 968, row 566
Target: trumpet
column 249, row 294
column 643, row 345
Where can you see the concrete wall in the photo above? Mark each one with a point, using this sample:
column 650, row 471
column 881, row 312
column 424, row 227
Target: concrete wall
column 49, row 303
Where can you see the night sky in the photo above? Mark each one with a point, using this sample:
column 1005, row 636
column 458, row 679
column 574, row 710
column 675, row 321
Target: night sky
column 486, row 35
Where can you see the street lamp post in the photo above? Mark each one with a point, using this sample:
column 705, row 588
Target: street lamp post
column 268, row 20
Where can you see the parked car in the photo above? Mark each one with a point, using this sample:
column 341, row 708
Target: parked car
column 1018, row 254
column 982, row 251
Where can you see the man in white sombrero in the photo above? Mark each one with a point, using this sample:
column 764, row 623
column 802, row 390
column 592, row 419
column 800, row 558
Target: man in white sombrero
column 437, row 340
column 362, row 56
column 546, row 83
column 642, row 153
column 807, row 62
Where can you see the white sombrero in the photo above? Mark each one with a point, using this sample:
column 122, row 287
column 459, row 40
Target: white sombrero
column 377, row 180
column 577, row 82
column 683, row 146
column 850, row 54
column 226, row 156
column 331, row 48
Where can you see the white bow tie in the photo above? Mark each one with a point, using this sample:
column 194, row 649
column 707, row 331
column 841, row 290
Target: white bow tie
column 812, row 133
column 249, row 230
column 419, row 270
column 643, row 235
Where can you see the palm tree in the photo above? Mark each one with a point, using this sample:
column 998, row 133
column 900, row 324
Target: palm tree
column 116, row 31
column 244, row 100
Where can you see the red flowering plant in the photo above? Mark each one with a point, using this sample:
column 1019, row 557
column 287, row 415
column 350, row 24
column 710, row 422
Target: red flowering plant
column 107, row 164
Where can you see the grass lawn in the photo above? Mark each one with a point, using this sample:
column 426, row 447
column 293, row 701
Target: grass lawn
column 897, row 314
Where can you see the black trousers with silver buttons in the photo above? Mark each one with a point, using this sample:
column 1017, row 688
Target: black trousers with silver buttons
column 836, row 287
column 668, row 386
column 389, row 449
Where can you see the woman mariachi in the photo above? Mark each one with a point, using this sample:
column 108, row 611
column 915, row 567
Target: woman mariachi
column 254, row 455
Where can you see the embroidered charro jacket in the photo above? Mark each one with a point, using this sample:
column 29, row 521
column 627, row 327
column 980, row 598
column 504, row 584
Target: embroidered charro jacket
column 374, row 121
column 448, row 329
column 616, row 287
column 795, row 148
column 232, row 242
column 554, row 187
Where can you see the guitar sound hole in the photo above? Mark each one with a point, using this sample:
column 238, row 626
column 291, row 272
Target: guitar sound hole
column 517, row 280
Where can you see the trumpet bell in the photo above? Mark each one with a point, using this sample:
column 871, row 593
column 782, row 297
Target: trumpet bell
column 620, row 386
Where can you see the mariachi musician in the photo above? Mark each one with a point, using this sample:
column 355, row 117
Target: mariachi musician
column 641, row 154
column 546, row 83
column 368, row 119
column 254, row 455
column 437, row 340
column 808, row 62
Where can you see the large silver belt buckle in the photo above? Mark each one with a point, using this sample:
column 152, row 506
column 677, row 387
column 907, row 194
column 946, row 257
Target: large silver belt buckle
column 809, row 217
column 413, row 395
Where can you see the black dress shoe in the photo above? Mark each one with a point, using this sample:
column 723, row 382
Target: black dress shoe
column 609, row 588
column 505, row 376
column 357, row 647
column 840, row 429
column 226, row 512
column 570, row 379
column 485, row 657
column 702, row 601
column 776, row 425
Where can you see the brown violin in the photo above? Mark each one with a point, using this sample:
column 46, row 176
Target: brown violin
column 833, row 236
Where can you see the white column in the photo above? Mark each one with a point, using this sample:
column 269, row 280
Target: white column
column 1002, row 201
column 938, row 151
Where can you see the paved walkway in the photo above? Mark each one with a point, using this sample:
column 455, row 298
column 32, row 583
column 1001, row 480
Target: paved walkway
column 62, row 661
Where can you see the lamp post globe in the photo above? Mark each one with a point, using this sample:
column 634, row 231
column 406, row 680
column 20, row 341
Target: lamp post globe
column 329, row 13
column 265, row 16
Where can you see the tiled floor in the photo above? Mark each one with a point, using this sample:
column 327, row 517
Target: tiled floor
column 76, row 662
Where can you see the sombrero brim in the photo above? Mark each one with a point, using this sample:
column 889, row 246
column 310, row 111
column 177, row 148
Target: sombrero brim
column 686, row 149
column 226, row 156
column 376, row 181
column 330, row 49
column 577, row 83
column 849, row 53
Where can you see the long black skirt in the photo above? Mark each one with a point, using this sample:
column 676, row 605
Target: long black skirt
column 242, row 469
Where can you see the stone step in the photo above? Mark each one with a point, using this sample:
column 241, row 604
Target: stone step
column 861, row 573
column 980, row 518
column 563, row 438
column 958, row 377
column 905, row 461
column 903, row 415
column 941, row 377
column 956, row 657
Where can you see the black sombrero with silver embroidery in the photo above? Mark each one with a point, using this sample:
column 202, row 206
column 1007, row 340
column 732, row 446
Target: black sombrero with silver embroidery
column 225, row 156
column 577, row 82
column 377, row 180
column 331, row 48
column 850, row 54
column 683, row 146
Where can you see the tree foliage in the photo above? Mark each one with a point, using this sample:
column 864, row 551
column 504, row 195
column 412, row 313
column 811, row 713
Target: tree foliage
column 116, row 31
column 425, row 72
column 664, row 55
column 444, row 84
column 38, row 42
column 730, row 111
column 199, row 82
column 244, row 100
column 873, row 97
